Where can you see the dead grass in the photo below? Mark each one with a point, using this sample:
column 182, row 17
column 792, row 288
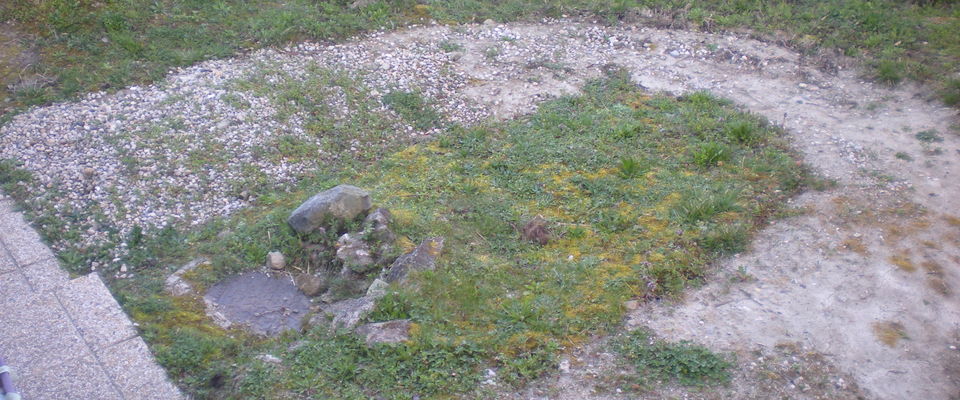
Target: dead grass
column 889, row 332
column 952, row 220
column 902, row 261
column 856, row 245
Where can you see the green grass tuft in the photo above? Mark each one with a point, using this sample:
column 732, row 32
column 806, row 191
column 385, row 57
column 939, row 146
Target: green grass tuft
column 711, row 154
column 413, row 108
column 684, row 362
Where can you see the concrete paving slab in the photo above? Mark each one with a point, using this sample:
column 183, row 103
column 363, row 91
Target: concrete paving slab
column 6, row 260
column 21, row 240
column 96, row 313
column 45, row 275
column 130, row 364
column 47, row 345
column 12, row 284
column 28, row 314
column 78, row 378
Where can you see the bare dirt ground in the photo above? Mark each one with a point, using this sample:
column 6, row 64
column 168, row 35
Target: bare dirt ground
column 856, row 296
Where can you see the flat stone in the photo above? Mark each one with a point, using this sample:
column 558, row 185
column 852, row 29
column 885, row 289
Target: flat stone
column 23, row 243
column 176, row 285
column 259, row 302
column 343, row 202
column 77, row 378
column 395, row 331
column 47, row 344
column 348, row 313
column 25, row 312
column 96, row 313
column 130, row 364
column 45, row 275
column 6, row 261
column 424, row 257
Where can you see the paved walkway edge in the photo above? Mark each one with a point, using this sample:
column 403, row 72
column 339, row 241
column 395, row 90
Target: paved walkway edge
column 67, row 338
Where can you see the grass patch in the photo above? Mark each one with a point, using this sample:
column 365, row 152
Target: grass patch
column 631, row 229
column 413, row 108
column 683, row 362
column 89, row 46
column 609, row 170
column 929, row 136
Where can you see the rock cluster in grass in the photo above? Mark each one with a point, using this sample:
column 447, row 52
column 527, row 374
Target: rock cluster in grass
column 350, row 268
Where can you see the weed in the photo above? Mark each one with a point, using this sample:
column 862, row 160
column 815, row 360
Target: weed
column 703, row 205
column 492, row 52
column 903, row 156
column 13, row 179
column 929, row 136
column 741, row 132
column 686, row 363
column 711, row 154
column 856, row 245
column 449, row 46
column 726, row 239
column 889, row 71
column 630, row 168
column 951, row 92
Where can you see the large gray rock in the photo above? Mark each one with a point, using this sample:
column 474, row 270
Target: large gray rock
column 343, row 202
column 395, row 331
column 424, row 257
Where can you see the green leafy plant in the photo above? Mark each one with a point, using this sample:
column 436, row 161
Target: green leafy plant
column 741, row 132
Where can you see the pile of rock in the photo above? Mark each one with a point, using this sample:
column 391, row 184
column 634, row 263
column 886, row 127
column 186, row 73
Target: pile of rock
column 350, row 269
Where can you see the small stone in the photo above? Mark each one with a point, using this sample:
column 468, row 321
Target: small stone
column 564, row 366
column 489, row 22
column 269, row 358
column 310, row 285
column 123, row 268
column 276, row 261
